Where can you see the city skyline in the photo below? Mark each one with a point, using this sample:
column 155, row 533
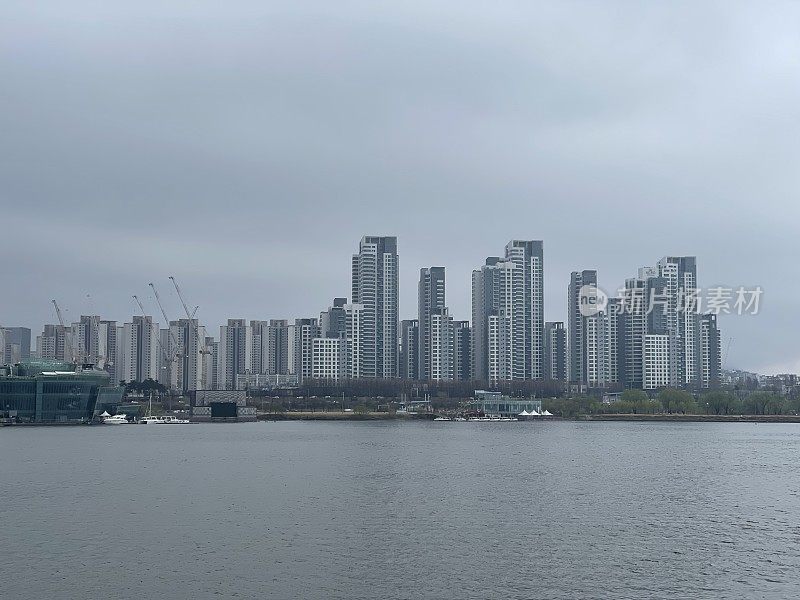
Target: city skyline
column 517, row 254
column 653, row 334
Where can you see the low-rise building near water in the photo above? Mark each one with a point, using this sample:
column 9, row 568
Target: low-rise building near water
column 51, row 392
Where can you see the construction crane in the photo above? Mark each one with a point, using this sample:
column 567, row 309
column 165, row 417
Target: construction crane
column 168, row 358
column 67, row 336
column 166, row 318
column 203, row 349
column 183, row 302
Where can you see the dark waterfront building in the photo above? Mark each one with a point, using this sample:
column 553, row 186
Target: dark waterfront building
column 220, row 405
column 44, row 391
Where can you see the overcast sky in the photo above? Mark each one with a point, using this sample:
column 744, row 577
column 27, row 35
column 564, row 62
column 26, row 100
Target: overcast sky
column 245, row 147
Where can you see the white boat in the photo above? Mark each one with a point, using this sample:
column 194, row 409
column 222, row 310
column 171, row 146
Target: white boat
column 165, row 420
column 151, row 420
column 171, row 420
column 114, row 420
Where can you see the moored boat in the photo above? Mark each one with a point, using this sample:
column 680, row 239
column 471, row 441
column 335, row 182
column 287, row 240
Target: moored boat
column 115, row 420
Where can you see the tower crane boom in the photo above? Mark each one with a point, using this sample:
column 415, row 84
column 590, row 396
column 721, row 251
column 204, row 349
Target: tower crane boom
column 67, row 336
column 183, row 302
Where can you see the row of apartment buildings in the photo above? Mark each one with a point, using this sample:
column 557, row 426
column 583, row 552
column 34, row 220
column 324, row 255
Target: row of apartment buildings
column 615, row 343
column 650, row 336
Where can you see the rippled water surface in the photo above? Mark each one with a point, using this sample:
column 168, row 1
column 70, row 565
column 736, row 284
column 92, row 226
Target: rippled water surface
column 402, row 510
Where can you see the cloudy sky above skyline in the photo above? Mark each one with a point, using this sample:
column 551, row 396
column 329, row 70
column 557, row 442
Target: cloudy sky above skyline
column 245, row 147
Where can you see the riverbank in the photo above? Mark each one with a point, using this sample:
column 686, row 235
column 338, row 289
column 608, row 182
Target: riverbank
column 695, row 418
column 336, row 416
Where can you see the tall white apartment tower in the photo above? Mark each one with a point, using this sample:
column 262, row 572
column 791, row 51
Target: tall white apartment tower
column 301, row 347
column 498, row 321
column 682, row 318
column 431, row 295
column 375, row 286
column 528, row 255
column 442, row 346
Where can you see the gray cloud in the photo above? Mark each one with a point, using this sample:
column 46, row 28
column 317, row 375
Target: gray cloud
column 246, row 146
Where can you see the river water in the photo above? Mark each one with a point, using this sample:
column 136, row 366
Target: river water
column 401, row 510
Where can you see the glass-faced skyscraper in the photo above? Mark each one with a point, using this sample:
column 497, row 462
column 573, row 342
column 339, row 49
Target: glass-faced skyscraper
column 375, row 286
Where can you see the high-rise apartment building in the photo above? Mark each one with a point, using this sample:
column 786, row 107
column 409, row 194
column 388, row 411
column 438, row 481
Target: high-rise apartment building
column 528, row 256
column 409, row 349
column 611, row 321
column 300, row 355
column 442, row 346
column 187, row 344
column 581, row 284
column 555, row 351
column 234, row 352
column 211, row 364
column 94, row 340
column 329, row 358
column 710, row 364
column 634, row 323
column 656, row 361
column 682, row 319
column 259, row 346
column 508, row 314
column 498, row 321
column 354, row 336
column 52, row 343
column 138, row 350
column 333, row 322
column 15, row 345
column 431, row 300
column 375, row 283
column 277, row 357
column 659, row 309
column 462, row 342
